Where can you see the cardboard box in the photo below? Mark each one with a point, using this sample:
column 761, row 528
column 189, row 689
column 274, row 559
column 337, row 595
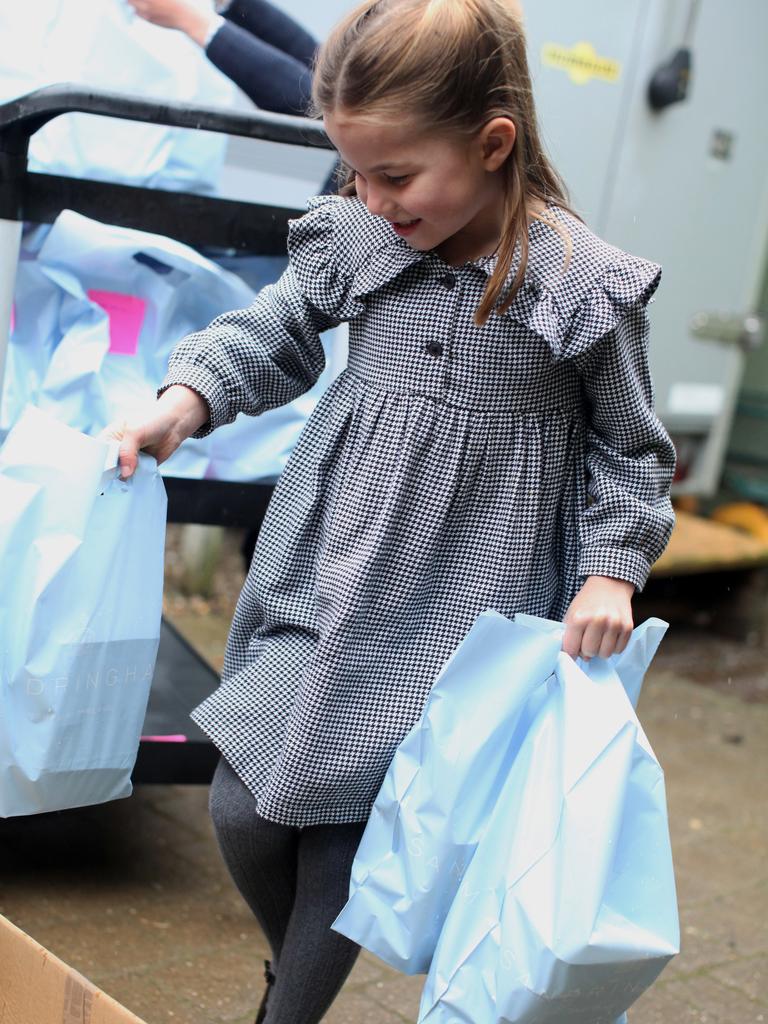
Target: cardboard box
column 38, row 988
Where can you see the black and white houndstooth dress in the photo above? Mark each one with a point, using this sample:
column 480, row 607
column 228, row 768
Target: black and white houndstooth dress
column 446, row 471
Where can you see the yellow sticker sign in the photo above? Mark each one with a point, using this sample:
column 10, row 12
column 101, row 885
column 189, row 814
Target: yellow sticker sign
column 580, row 62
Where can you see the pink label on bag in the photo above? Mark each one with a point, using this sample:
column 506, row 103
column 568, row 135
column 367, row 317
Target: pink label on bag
column 13, row 317
column 170, row 738
column 126, row 318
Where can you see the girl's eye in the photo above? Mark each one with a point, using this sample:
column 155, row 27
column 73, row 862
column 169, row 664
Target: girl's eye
column 397, row 180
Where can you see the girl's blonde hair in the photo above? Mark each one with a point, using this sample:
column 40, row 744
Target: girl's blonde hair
column 451, row 66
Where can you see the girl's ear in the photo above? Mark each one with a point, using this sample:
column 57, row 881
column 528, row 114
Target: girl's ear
column 497, row 140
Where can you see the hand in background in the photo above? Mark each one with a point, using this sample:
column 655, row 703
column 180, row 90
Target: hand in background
column 599, row 620
column 175, row 416
column 193, row 17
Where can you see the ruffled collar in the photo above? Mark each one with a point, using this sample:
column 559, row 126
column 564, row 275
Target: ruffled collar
column 392, row 256
column 569, row 309
column 385, row 262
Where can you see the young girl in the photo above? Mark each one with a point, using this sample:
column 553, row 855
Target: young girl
column 492, row 444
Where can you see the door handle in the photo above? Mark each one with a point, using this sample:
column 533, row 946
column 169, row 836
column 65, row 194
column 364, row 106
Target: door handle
column 746, row 331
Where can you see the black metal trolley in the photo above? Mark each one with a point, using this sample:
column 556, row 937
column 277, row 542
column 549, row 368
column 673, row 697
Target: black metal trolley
column 182, row 677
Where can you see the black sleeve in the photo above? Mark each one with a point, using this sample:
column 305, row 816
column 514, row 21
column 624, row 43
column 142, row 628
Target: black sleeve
column 270, row 78
column 273, row 26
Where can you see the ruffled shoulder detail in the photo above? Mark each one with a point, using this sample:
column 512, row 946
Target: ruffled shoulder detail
column 340, row 252
column 573, row 310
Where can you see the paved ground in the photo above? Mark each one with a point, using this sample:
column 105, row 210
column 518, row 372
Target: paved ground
column 133, row 894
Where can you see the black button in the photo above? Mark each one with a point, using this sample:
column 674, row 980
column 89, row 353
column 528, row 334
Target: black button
column 448, row 281
column 434, row 348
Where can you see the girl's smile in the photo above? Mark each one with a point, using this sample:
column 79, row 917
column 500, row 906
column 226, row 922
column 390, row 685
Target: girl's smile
column 440, row 193
column 407, row 228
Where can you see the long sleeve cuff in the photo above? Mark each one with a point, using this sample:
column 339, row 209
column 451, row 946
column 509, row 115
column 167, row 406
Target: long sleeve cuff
column 208, row 386
column 617, row 563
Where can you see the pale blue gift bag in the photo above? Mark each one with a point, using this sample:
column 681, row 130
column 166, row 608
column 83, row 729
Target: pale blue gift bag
column 600, row 921
column 567, row 912
column 98, row 310
column 81, row 559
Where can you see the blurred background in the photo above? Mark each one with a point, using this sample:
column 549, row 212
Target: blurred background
column 118, row 234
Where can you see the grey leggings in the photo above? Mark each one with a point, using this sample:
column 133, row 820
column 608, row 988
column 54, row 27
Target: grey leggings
column 296, row 881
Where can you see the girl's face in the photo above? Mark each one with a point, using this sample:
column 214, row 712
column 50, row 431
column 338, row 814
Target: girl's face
column 436, row 192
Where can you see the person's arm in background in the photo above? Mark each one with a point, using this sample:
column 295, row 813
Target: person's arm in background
column 272, row 26
column 273, row 79
column 270, row 78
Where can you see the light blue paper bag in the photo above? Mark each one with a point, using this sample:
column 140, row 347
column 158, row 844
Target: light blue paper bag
column 567, row 912
column 438, row 798
column 81, row 560
column 98, row 310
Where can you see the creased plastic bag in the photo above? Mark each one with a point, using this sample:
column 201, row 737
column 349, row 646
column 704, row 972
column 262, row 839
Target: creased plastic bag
column 98, row 310
column 565, row 908
column 81, row 560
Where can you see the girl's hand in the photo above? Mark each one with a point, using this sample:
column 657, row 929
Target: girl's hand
column 175, row 416
column 599, row 619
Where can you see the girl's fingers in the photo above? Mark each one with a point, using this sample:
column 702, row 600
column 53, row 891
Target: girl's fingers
column 605, row 637
column 623, row 640
column 572, row 640
column 148, row 429
column 128, row 460
column 112, row 432
column 609, row 641
column 591, row 639
column 128, row 457
column 132, row 441
column 623, row 634
column 595, row 640
column 599, row 619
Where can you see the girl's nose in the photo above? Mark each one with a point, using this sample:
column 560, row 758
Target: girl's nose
column 377, row 202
